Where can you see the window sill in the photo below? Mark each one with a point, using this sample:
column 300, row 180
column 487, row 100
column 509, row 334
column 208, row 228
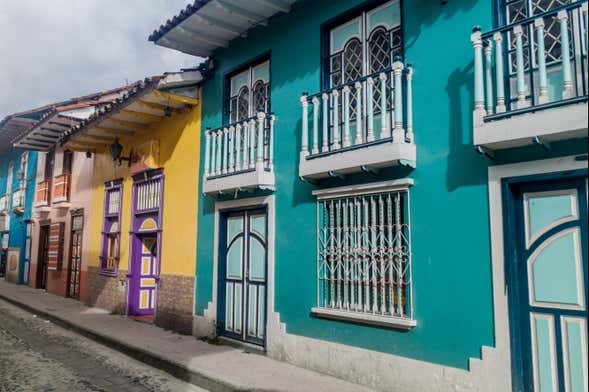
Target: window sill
column 365, row 318
column 108, row 274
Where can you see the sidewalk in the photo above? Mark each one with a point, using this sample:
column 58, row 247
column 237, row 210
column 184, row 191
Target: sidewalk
column 217, row 368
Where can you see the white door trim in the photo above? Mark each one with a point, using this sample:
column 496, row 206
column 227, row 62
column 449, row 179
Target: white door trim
column 496, row 175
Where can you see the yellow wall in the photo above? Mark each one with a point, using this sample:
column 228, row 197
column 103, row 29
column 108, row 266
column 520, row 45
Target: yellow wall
column 179, row 140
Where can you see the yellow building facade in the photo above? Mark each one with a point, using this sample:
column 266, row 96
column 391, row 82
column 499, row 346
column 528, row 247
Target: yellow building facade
column 142, row 251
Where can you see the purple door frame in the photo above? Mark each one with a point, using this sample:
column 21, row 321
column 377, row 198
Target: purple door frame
column 147, row 213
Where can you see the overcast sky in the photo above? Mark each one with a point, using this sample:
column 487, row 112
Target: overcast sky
column 52, row 50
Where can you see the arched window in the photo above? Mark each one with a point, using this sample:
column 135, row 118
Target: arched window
column 259, row 97
column 243, row 103
column 379, row 49
column 352, row 60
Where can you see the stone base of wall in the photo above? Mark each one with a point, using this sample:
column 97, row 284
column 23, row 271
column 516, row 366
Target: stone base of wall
column 106, row 292
column 175, row 303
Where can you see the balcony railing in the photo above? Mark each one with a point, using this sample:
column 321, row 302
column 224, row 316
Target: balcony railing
column 240, row 155
column 42, row 194
column 4, row 200
column 366, row 123
column 537, row 63
column 61, row 188
column 18, row 199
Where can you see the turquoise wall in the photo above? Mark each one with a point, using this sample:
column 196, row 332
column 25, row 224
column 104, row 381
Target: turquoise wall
column 450, row 226
column 18, row 222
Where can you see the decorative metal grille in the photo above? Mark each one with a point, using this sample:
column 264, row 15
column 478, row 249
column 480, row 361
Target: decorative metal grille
column 243, row 104
column 260, row 97
column 380, row 50
column 518, row 10
column 114, row 201
column 364, row 254
column 352, row 60
column 148, row 195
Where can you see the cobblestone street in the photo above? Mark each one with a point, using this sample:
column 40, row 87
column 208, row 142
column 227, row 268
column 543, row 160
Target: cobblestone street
column 37, row 355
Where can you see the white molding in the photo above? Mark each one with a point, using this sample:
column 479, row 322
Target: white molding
column 205, row 325
column 363, row 189
column 376, row 156
column 580, row 281
column 532, row 237
column 560, row 123
column 365, row 318
column 258, row 178
column 500, row 303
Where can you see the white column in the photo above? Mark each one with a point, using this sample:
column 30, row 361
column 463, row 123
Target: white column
column 410, row 103
column 252, row 143
column 370, row 109
column 488, row 76
column 563, row 18
column 315, row 125
column 336, row 132
column 499, row 79
column 398, row 132
column 520, row 76
column 246, row 145
column 238, row 147
column 541, row 60
column 261, row 117
column 346, row 137
column 207, row 152
column 231, row 149
column 271, row 144
column 479, row 95
column 359, row 114
column 213, row 154
column 325, row 129
column 224, row 156
column 384, row 129
column 305, row 126
column 219, row 149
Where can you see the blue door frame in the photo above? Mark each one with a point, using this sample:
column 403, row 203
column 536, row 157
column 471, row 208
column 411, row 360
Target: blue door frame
column 516, row 270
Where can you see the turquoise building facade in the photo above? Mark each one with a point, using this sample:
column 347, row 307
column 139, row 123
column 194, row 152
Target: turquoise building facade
column 275, row 244
column 17, row 210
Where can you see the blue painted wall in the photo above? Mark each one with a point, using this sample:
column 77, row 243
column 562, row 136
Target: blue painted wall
column 18, row 222
column 450, row 227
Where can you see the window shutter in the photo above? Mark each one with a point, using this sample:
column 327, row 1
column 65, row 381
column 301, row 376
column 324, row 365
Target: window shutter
column 55, row 256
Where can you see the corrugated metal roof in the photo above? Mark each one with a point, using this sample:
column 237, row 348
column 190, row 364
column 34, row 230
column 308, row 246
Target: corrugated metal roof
column 207, row 25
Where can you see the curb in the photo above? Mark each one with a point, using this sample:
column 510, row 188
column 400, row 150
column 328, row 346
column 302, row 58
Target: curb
column 169, row 366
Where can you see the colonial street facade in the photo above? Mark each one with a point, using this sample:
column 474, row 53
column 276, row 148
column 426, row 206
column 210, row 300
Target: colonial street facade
column 390, row 192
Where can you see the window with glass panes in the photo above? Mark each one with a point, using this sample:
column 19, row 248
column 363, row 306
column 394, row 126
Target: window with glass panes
column 514, row 11
column 111, row 233
column 249, row 92
column 365, row 45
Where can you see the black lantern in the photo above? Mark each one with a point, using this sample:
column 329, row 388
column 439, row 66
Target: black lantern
column 168, row 111
column 116, row 150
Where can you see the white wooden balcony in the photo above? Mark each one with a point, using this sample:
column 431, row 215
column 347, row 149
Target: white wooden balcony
column 346, row 131
column 530, row 80
column 240, row 156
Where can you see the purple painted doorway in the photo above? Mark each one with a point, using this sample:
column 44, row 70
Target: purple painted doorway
column 144, row 271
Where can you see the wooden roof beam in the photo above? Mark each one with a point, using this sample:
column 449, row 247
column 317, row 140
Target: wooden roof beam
column 110, row 131
column 128, row 124
column 175, row 97
column 140, row 115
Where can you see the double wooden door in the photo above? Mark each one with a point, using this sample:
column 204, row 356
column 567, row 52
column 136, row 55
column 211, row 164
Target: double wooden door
column 243, row 276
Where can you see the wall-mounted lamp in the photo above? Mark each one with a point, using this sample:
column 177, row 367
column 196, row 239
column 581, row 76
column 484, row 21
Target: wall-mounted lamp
column 115, row 153
column 168, row 111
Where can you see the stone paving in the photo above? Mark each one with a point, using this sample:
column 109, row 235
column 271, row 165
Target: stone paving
column 37, row 355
